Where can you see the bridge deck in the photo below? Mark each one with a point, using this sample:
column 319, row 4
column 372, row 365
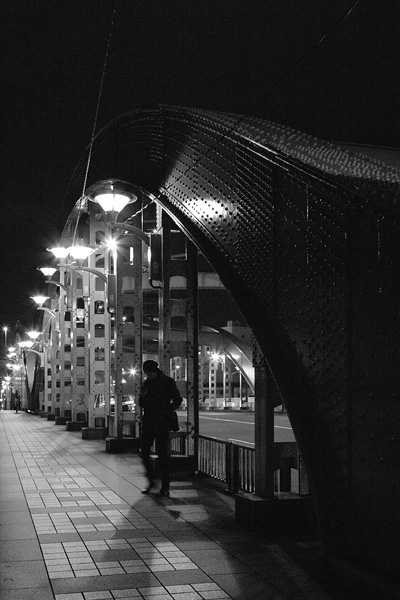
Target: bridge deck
column 74, row 526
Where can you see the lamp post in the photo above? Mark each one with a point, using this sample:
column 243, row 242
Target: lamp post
column 57, row 337
column 26, row 346
column 7, row 392
column 40, row 300
column 113, row 198
column 80, row 380
column 42, row 353
column 48, row 396
column 71, row 390
column 221, row 359
column 5, row 329
column 80, row 324
column 14, row 367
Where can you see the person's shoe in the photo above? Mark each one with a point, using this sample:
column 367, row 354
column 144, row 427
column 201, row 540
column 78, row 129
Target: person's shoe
column 148, row 489
column 164, row 492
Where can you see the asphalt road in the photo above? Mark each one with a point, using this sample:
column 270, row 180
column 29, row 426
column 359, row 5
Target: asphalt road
column 238, row 426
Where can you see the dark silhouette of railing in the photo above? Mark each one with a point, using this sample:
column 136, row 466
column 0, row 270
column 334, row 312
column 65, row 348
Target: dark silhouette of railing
column 234, row 463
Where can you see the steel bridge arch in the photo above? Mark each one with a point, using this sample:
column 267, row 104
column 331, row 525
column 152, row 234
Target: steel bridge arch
column 304, row 236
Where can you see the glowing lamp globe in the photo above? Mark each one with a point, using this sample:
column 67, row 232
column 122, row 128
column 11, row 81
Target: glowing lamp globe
column 112, row 202
column 28, row 344
column 40, row 299
column 33, row 334
column 47, row 271
column 59, row 251
column 80, row 252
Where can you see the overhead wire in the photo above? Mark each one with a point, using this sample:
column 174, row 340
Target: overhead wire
column 230, row 129
column 289, row 71
column 96, row 116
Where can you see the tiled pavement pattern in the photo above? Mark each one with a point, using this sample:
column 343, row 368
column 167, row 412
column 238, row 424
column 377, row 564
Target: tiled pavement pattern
column 74, row 526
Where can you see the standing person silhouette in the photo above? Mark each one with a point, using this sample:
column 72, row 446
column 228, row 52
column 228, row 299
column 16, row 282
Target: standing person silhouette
column 17, row 400
column 158, row 399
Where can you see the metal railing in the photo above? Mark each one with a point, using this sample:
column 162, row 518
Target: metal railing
column 234, row 464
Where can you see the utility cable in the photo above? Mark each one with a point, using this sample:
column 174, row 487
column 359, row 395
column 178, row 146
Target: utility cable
column 99, row 96
column 233, row 127
column 268, row 93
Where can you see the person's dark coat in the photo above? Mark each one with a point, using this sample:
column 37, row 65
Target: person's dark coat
column 159, row 398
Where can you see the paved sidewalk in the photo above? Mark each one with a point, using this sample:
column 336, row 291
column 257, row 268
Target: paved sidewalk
column 75, row 526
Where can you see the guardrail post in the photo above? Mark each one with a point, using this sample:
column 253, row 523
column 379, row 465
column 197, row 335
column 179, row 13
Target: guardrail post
column 285, row 477
column 264, row 431
column 232, row 467
column 303, row 478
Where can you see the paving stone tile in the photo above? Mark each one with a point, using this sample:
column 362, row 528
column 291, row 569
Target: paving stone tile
column 69, row 597
column 122, row 534
column 81, row 561
column 8, row 518
column 152, row 591
column 158, row 597
column 54, row 555
column 159, row 568
column 26, row 574
column 67, row 574
column 187, row 596
column 56, row 562
column 83, row 566
column 7, row 470
column 112, row 571
column 243, row 586
column 76, row 555
column 105, row 582
column 20, row 550
column 194, row 543
column 187, row 576
column 128, row 593
column 137, row 569
column 217, row 561
column 10, row 491
column 113, row 554
column 39, row 593
column 202, row 587
column 185, row 566
column 214, row 595
column 17, row 531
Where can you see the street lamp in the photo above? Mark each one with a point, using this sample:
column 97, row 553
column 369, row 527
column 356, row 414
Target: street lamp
column 59, row 251
column 47, row 271
column 53, row 342
column 33, row 335
column 40, row 300
column 80, row 252
column 34, row 366
column 26, row 345
column 5, row 329
column 112, row 196
column 14, row 367
column 221, row 358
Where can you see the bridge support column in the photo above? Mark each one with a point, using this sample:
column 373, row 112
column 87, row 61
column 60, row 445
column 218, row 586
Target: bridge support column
column 264, row 431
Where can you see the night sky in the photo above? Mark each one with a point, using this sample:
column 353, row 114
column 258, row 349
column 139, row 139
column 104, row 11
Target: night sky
column 244, row 57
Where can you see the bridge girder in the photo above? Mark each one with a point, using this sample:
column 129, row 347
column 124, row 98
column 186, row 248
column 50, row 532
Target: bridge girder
column 305, row 239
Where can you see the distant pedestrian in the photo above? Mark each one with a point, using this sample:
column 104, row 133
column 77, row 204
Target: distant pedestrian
column 17, row 400
column 159, row 398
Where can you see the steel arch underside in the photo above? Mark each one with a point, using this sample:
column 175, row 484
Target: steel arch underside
column 305, row 239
